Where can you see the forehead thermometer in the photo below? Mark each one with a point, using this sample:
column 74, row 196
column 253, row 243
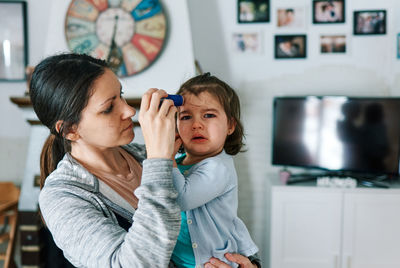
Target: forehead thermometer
column 177, row 99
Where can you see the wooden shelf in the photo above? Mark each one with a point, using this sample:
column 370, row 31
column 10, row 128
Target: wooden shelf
column 25, row 101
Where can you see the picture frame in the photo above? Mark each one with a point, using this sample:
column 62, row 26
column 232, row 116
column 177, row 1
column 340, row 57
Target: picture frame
column 328, row 11
column 369, row 22
column 247, row 42
column 253, row 11
column 291, row 46
column 291, row 18
column 13, row 40
column 333, row 44
column 398, row 46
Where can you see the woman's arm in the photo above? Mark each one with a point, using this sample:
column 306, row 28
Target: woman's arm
column 85, row 230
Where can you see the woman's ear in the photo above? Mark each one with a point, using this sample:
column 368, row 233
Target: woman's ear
column 72, row 135
column 232, row 126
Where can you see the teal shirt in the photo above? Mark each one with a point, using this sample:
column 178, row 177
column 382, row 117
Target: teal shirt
column 183, row 255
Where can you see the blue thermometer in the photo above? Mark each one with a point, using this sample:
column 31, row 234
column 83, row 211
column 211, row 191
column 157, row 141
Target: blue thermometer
column 177, row 99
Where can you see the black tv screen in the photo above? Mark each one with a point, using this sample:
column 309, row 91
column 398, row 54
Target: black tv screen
column 337, row 133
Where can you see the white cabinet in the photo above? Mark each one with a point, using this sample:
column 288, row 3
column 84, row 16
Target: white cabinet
column 335, row 228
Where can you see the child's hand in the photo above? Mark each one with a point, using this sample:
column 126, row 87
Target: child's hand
column 177, row 145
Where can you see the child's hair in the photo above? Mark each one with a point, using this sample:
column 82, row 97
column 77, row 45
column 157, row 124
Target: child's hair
column 228, row 99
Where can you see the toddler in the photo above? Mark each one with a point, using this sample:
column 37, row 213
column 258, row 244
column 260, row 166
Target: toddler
column 211, row 132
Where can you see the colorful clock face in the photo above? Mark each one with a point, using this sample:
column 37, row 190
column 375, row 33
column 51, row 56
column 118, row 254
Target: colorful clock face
column 129, row 34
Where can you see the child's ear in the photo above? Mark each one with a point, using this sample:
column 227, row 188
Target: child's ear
column 232, row 126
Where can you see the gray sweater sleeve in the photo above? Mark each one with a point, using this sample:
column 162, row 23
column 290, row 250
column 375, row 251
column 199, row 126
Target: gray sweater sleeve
column 89, row 236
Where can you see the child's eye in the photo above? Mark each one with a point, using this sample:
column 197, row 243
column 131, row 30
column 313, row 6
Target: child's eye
column 185, row 117
column 109, row 109
column 209, row 115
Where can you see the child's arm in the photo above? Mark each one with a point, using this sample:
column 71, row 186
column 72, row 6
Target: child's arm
column 210, row 180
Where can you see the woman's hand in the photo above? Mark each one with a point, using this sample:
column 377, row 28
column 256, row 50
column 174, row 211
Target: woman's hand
column 158, row 124
column 243, row 261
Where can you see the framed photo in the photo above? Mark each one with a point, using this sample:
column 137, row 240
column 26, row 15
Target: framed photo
column 246, row 43
column 398, row 46
column 328, row 11
column 333, row 44
column 369, row 22
column 290, row 46
column 253, row 11
column 13, row 40
column 291, row 18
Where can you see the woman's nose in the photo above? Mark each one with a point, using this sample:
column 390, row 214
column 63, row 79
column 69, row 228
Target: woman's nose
column 128, row 111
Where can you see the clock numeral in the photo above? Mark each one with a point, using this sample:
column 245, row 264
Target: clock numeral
column 77, row 27
column 134, row 60
column 83, row 9
column 149, row 46
column 129, row 5
column 146, row 9
column 154, row 27
column 84, row 44
column 100, row 4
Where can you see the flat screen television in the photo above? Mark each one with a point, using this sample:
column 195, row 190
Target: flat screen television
column 337, row 133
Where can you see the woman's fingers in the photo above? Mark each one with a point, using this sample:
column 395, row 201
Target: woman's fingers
column 158, row 124
column 243, row 261
column 156, row 98
column 145, row 102
column 216, row 263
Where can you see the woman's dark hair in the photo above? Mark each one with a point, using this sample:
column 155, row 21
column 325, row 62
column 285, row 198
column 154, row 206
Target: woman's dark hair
column 59, row 90
column 229, row 101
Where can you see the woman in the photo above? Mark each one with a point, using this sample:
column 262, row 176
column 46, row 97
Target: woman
column 107, row 203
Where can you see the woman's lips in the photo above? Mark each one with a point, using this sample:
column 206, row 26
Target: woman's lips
column 129, row 127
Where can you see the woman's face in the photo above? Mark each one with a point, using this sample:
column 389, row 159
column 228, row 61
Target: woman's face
column 106, row 120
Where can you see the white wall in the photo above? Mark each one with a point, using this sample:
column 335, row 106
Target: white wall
column 370, row 67
column 46, row 37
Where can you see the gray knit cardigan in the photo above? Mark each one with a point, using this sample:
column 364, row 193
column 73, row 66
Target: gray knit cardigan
column 84, row 226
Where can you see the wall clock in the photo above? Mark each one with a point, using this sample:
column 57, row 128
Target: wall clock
column 129, row 34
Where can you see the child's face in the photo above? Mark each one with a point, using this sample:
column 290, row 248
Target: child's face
column 203, row 126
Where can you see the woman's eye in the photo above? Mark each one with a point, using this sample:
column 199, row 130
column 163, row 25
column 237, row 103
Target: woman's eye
column 209, row 115
column 109, row 109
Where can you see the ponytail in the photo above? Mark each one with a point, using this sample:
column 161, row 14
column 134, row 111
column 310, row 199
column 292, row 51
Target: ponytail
column 52, row 152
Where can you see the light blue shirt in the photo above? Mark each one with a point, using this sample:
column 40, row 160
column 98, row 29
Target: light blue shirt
column 208, row 194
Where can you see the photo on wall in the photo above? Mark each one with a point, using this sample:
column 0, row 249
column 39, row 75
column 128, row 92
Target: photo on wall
column 328, row 11
column 333, row 44
column 253, row 11
column 290, row 46
column 291, row 18
column 398, row 46
column 368, row 22
column 246, row 43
